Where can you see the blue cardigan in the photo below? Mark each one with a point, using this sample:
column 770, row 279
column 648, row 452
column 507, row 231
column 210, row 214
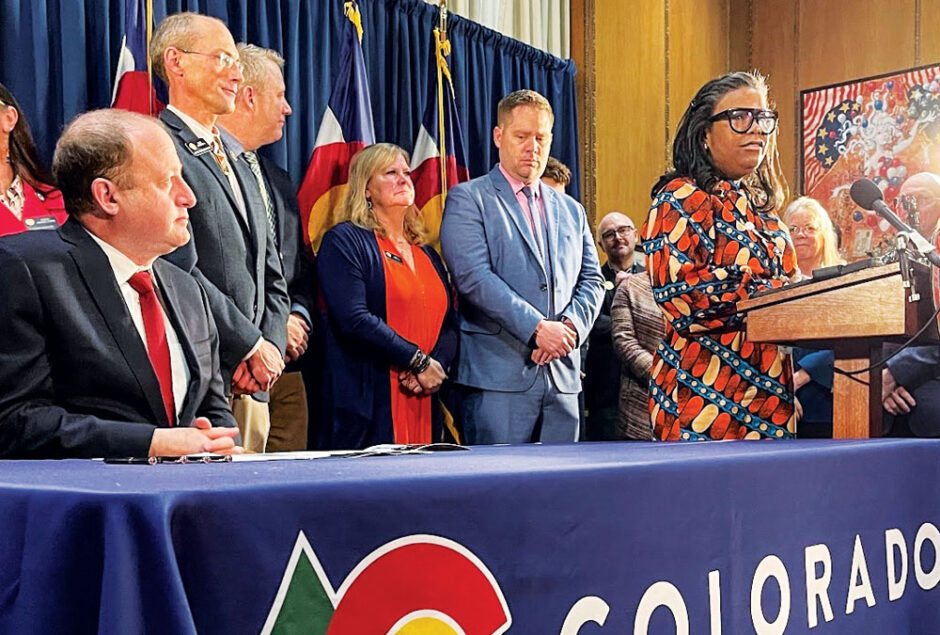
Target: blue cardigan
column 360, row 346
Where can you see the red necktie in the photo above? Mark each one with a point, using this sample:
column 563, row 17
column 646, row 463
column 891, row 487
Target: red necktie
column 157, row 347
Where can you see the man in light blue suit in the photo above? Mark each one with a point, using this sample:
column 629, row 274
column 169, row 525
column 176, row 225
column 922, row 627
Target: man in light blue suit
column 524, row 262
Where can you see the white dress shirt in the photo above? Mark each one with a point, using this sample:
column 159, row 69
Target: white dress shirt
column 123, row 268
column 208, row 136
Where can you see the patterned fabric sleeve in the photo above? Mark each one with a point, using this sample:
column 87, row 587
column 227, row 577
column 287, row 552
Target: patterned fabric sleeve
column 697, row 287
column 695, row 295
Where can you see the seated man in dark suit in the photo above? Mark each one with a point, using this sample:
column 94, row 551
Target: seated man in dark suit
column 910, row 388
column 107, row 350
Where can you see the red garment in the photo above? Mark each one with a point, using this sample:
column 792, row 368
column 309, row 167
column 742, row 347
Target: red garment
column 415, row 305
column 157, row 347
column 38, row 209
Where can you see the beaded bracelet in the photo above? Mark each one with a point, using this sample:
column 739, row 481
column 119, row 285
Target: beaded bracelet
column 419, row 363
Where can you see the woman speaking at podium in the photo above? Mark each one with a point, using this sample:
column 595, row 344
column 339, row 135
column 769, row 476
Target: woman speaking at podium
column 713, row 238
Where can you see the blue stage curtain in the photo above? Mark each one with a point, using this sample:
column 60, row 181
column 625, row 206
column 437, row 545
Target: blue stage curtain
column 58, row 58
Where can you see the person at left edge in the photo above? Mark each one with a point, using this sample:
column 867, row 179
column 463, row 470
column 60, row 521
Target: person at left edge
column 106, row 349
column 391, row 327
column 231, row 252
column 27, row 200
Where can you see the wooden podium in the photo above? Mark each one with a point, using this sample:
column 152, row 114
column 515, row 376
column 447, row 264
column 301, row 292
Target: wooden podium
column 853, row 314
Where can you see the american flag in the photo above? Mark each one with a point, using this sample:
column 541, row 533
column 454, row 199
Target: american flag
column 824, row 132
column 819, row 110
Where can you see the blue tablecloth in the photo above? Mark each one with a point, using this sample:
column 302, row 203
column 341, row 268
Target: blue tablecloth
column 89, row 547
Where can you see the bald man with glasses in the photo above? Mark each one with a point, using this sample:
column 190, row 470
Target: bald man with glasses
column 617, row 236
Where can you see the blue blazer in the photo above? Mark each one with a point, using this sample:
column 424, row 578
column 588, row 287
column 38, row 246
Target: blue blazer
column 361, row 348
column 504, row 291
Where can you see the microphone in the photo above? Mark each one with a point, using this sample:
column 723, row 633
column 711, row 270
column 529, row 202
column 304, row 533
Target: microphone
column 868, row 196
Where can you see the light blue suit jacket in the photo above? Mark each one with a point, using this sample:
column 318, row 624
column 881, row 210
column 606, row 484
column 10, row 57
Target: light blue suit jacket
column 505, row 290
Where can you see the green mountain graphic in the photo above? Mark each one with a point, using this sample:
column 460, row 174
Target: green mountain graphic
column 303, row 605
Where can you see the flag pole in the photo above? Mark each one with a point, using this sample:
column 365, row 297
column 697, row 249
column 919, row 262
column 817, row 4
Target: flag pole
column 351, row 11
column 441, row 50
column 149, row 65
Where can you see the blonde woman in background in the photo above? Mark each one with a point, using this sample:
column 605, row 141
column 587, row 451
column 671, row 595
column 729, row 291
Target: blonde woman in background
column 814, row 239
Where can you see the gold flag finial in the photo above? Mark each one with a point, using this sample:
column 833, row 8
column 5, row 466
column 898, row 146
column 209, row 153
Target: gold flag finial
column 351, row 9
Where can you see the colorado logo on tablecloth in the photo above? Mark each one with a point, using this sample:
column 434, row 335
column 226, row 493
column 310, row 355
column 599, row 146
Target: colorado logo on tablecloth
column 415, row 585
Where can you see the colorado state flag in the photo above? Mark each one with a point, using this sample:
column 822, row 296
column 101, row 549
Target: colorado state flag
column 133, row 83
column 345, row 129
column 439, row 161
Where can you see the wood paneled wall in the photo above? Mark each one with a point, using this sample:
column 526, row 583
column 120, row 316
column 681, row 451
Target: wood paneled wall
column 640, row 62
column 803, row 44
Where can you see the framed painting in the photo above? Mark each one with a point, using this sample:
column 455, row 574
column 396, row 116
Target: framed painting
column 883, row 128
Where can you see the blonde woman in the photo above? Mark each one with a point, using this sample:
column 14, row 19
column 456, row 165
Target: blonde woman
column 814, row 237
column 816, row 246
column 391, row 333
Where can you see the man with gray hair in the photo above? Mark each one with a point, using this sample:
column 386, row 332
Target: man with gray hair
column 261, row 109
column 523, row 259
column 910, row 383
column 238, row 263
column 106, row 349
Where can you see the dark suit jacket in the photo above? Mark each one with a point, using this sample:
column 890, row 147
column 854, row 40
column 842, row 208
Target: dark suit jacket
column 75, row 379
column 602, row 366
column 296, row 261
column 917, row 368
column 360, row 345
column 915, row 365
column 237, row 263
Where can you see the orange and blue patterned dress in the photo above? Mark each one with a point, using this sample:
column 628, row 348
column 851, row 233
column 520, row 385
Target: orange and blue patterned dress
column 705, row 253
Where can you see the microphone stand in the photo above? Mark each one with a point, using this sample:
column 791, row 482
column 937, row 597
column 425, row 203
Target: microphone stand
column 907, row 272
column 922, row 246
